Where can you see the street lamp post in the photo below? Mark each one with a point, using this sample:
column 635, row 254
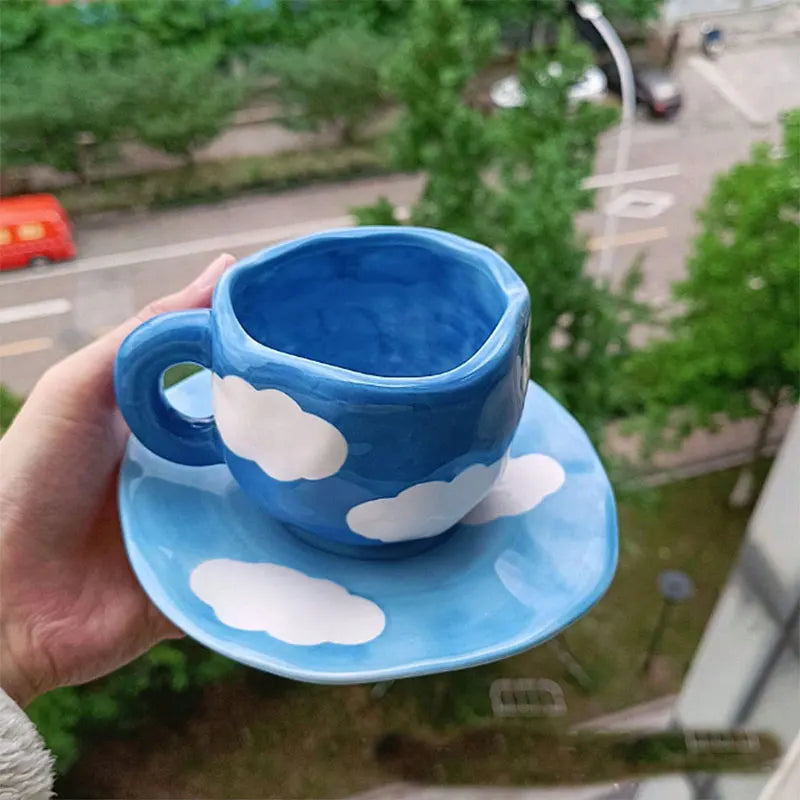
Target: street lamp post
column 674, row 587
column 592, row 13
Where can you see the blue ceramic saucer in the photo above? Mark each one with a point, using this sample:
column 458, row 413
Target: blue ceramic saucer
column 531, row 559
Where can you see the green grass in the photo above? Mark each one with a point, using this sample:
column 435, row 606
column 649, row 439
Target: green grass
column 499, row 754
column 178, row 372
column 9, row 405
column 262, row 736
column 216, row 180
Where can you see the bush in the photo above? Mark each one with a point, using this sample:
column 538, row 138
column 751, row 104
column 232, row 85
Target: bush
column 165, row 683
column 333, row 83
column 10, row 404
column 381, row 213
column 205, row 182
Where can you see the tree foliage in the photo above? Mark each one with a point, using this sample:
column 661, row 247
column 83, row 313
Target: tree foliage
column 152, row 68
column 118, row 28
column 333, row 83
column 10, row 404
column 84, row 51
column 46, row 106
column 22, row 23
column 181, row 99
column 733, row 348
column 544, row 151
column 515, row 183
column 164, row 681
column 437, row 131
column 173, row 100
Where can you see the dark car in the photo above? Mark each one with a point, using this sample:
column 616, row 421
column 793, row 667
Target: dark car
column 655, row 88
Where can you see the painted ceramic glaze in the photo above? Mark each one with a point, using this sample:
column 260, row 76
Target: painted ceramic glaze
column 366, row 382
column 534, row 555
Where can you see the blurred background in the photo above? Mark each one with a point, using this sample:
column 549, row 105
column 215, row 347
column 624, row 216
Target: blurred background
column 639, row 165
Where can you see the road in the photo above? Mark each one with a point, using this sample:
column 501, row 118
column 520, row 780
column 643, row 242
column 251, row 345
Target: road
column 124, row 262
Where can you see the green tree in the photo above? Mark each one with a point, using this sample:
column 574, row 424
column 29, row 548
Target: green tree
column 515, row 183
column 180, row 99
column 632, row 9
column 47, row 107
column 173, row 100
column 733, row 348
column 22, row 24
column 238, row 28
column 94, row 72
column 543, row 152
column 437, row 131
column 383, row 17
column 117, row 28
column 333, row 83
column 74, row 31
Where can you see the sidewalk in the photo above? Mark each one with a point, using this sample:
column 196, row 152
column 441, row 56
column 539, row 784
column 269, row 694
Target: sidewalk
column 742, row 27
column 654, row 715
column 405, row 791
column 703, row 451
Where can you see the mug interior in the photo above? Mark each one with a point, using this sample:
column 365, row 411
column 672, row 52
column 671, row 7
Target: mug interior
column 380, row 306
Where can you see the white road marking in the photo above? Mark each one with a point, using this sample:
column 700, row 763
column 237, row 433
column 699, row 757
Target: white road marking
column 25, row 346
column 632, row 176
column 640, row 204
column 266, row 236
column 597, row 243
column 594, row 244
column 44, row 308
column 727, row 90
column 273, row 235
column 645, row 132
column 194, row 247
column 654, row 132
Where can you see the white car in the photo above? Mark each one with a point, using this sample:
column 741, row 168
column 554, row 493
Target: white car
column 507, row 93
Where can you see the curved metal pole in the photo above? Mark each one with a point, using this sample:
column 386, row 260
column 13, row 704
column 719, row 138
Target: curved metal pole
column 592, row 13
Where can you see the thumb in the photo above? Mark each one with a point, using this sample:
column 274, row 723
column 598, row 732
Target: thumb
column 90, row 369
column 196, row 295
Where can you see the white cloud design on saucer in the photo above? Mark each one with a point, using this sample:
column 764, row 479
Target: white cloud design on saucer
column 269, row 427
column 285, row 603
column 425, row 509
column 524, row 483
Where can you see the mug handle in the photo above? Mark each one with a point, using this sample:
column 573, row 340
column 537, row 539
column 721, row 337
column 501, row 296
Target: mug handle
column 142, row 358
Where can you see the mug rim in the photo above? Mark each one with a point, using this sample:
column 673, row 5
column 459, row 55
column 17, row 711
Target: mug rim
column 492, row 349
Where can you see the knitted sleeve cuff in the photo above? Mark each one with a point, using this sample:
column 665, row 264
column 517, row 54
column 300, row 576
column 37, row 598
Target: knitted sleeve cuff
column 26, row 766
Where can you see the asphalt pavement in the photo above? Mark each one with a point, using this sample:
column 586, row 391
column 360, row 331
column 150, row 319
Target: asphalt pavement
column 127, row 260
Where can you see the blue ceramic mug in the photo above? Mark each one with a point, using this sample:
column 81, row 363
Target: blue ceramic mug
column 366, row 382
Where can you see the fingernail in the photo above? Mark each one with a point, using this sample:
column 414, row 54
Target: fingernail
column 212, row 272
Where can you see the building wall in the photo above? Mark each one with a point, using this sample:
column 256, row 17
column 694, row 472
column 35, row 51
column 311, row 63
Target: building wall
column 754, row 627
column 746, row 671
column 682, row 9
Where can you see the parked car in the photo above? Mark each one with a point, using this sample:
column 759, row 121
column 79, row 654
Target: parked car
column 507, row 93
column 655, row 88
column 34, row 229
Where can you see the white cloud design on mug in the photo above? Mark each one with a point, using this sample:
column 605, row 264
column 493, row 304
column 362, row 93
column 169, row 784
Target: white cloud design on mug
column 285, row 603
column 524, row 483
column 269, row 427
column 425, row 509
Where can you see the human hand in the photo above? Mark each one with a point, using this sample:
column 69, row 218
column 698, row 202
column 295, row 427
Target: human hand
column 70, row 607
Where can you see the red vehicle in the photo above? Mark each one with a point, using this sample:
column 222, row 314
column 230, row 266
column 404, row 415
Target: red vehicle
column 34, row 229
